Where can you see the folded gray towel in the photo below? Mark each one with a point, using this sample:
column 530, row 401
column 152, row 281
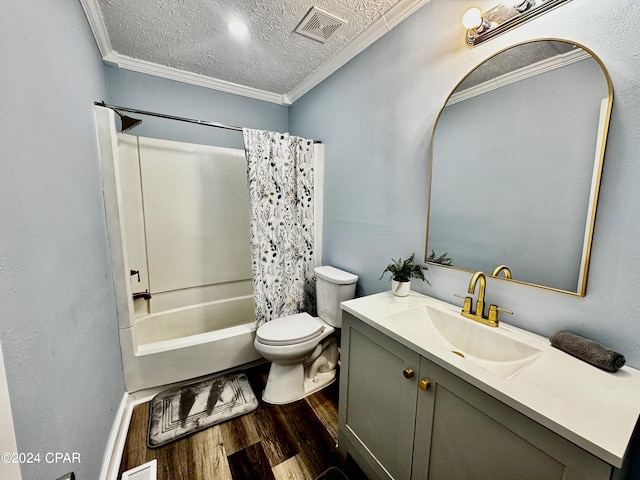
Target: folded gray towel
column 587, row 350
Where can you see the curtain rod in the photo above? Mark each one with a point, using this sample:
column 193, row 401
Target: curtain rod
column 173, row 117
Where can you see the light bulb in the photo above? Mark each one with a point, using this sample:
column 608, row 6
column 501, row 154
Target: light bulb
column 472, row 18
column 238, row 29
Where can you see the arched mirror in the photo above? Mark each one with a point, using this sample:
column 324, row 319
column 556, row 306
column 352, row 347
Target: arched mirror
column 516, row 158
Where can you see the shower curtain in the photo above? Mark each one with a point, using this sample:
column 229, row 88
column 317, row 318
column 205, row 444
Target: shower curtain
column 280, row 179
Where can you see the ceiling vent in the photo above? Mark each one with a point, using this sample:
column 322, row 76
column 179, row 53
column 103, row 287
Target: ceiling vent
column 319, row 25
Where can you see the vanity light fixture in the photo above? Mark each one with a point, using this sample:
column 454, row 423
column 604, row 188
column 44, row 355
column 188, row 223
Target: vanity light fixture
column 473, row 20
column 484, row 26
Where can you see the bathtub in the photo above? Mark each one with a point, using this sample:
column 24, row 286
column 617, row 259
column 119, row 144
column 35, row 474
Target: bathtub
column 189, row 342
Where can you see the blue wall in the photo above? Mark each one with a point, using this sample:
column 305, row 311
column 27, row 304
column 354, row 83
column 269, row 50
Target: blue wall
column 376, row 115
column 57, row 314
column 154, row 94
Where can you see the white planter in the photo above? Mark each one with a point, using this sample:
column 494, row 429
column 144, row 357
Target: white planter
column 400, row 289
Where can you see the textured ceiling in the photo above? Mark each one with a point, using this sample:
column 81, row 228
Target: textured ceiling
column 192, row 35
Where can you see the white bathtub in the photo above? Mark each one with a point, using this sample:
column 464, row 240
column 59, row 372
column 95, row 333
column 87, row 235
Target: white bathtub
column 188, row 342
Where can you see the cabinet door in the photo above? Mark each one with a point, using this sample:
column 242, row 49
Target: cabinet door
column 464, row 434
column 377, row 402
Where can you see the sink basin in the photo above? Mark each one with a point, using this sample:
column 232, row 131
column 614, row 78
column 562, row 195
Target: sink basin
column 490, row 348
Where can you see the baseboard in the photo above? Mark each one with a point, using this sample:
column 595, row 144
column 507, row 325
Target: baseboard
column 115, row 444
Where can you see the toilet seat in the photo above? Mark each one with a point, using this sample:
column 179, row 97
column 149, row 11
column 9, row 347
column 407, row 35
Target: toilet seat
column 290, row 330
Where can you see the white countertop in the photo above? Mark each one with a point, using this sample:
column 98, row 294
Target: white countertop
column 595, row 409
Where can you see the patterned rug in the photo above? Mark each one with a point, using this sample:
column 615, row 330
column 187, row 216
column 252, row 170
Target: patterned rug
column 181, row 411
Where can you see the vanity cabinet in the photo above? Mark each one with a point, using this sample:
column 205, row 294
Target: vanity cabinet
column 401, row 416
column 377, row 403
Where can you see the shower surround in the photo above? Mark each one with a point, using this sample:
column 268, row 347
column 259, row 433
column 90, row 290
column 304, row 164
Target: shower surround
column 178, row 220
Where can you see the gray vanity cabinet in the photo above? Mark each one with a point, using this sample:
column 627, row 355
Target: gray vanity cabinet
column 463, row 433
column 377, row 405
column 449, row 431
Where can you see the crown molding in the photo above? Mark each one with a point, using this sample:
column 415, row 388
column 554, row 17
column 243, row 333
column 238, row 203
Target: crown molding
column 94, row 16
column 377, row 29
column 373, row 32
column 543, row 66
column 170, row 73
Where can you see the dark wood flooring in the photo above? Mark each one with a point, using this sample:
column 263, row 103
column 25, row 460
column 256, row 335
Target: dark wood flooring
column 274, row 442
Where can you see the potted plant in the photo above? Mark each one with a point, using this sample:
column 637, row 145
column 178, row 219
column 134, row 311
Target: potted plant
column 402, row 271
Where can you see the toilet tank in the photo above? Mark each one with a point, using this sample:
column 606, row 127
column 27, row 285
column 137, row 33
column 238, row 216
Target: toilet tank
column 332, row 287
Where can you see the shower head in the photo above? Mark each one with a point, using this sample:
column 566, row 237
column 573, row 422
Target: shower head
column 127, row 122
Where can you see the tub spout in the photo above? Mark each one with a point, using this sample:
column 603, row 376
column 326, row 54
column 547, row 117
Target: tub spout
column 146, row 295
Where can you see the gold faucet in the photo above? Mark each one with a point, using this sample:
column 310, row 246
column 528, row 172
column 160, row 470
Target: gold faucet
column 502, row 268
column 479, row 316
column 478, row 276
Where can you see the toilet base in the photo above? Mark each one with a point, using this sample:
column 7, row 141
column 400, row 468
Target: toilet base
column 288, row 383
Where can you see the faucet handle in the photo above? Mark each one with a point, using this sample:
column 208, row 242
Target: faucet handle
column 493, row 312
column 466, row 308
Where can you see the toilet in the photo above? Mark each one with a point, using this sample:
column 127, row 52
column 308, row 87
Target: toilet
column 302, row 352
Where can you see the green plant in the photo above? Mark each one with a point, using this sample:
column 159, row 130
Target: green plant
column 403, row 270
column 442, row 259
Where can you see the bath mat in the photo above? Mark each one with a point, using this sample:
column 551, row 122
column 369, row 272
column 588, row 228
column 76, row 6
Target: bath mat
column 332, row 473
column 181, row 411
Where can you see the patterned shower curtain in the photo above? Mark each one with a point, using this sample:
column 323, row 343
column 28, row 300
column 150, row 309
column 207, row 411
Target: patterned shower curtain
column 280, row 178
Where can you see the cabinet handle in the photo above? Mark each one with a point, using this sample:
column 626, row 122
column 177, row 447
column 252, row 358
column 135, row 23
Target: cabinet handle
column 424, row 384
column 407, row 372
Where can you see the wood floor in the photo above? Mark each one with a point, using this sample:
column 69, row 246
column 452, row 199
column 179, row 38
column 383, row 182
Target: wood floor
column 274, row 442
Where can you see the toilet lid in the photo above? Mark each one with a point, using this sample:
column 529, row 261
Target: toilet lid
column 290, row 330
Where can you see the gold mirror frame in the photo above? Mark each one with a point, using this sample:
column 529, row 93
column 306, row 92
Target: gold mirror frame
column 601, row 133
